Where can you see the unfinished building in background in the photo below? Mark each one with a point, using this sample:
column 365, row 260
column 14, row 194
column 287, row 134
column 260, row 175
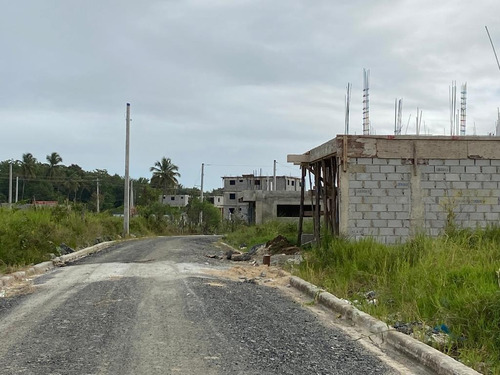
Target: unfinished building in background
column 393, row 187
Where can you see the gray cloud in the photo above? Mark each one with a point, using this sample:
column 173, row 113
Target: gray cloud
column 231, row 83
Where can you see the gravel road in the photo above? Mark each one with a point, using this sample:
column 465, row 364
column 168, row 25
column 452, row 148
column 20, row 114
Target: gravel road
column 160, row 306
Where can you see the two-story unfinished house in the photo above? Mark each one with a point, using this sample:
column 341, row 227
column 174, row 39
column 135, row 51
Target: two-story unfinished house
column 258, row 198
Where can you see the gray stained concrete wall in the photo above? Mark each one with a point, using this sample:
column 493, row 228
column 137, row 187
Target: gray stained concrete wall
column 386, row 200
column 394, row 187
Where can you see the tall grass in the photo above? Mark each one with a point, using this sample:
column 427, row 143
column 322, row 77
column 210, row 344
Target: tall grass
column 31, row 236
column 451, row 280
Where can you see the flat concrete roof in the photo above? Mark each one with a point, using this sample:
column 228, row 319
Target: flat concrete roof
column 404, row 147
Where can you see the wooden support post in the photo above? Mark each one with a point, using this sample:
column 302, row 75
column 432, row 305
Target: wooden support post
column 334, row 197
column 301, row 211
column 326, row 212
column 317, row 188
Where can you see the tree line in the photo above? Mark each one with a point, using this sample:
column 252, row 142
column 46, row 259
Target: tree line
column 53, row 181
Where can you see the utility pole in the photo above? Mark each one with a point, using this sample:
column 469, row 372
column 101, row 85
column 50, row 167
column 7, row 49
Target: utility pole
column 17, row 188
column 10, row 184
column 98, row 203
column 201, row 195
column 274, row 176
column 126, row 197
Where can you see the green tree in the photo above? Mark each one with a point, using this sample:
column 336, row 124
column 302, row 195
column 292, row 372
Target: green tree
column 211, row 215
column 165, row 174
column 28, row 166
column 53, row 160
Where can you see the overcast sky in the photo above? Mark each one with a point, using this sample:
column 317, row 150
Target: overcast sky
column 233, row 84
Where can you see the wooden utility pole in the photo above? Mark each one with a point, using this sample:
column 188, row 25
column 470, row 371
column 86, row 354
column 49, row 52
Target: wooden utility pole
column 126, row 197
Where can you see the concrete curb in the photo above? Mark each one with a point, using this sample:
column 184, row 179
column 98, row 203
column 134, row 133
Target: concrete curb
column 41, row 268
column 428, row 356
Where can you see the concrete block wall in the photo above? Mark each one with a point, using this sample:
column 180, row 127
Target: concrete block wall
column 390, row 200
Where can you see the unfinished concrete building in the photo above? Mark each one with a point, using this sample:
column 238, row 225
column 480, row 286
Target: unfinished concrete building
column 256, row 199
column 394, row 187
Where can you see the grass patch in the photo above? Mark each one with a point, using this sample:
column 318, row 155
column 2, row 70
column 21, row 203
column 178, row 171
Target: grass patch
column 30, row 236
column 452, row 280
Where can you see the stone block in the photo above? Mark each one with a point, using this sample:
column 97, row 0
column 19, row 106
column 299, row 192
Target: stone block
column 377, row 161
column 460, row 169
column 395, row 192
column 495, row 163
column 403, row 169
column 363, row 207
column 473, row 185
column 363, row 223
column 371, row 184
column 459, row 185
column 363, row 176
column 403, row 232
column 372, row 169
column 355, row 215
column 472, row 169
column 395, row 176
column 379, row 207
column 483, row 208
column 452, row 162
column 436, row 176
column 379, row 176
column 441, row 169
column 492, row 216
column 355, row 184
column 482, row 162
column 379, row 223
column 483, row 177
column 353, row 199
column 468, row 208
column 371, row 199
column 436, row 162
column 452, row 177
column 394, row 162
column 389, row 215
column 387, row 184
column 364, row 161
column 395, row 223
column 493, row 185
column 489, row 169
column 426, row 168
column 467, row 162
column 476, row 216
column 467, row 177
column 371, row 215
column 386, row 231
column 495, row 177
column 401, row 215
column 428, row 184
column 438, row 193
column 387, row 169
column 394, row 207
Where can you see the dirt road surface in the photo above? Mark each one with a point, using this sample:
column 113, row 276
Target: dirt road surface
column 162, row 306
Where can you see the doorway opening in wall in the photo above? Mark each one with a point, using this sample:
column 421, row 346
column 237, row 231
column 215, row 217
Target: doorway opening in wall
column 293, row 210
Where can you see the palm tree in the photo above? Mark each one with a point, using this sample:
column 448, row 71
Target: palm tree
column 28, row 165
column 53, row 159
column 164, row 174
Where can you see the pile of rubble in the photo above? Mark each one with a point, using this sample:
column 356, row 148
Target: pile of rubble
column 279, row 248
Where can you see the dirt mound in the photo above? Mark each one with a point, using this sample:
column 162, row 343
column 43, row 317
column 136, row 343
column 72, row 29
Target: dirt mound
column 280, row 245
